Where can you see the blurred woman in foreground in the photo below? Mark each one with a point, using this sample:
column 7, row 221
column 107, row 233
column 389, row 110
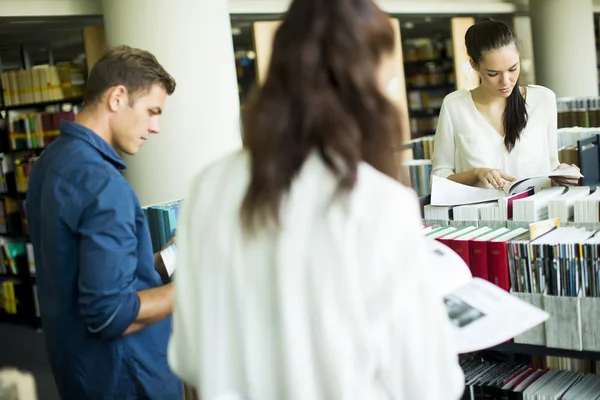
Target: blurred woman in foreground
column 301, row 271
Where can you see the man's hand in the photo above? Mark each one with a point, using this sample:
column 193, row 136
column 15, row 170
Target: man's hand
column 565, row 180
column 159, row 263
column 494, row 177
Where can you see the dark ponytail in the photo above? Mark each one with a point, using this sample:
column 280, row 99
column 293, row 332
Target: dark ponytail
column 492, row 35
column 321, row 94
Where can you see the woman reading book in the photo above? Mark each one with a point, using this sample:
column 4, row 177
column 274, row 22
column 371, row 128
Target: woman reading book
column 500, row 130
column 302, row 268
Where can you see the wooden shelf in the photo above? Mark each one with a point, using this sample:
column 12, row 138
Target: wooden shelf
column 534, row 350
column 42, row 104
column 34, row 150
column 14, row 195
column 444, row 86
column 423, row 133
column 428, row 60
column 425, row 112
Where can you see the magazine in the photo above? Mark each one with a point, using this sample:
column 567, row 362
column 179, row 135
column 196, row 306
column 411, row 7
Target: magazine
column 483, row 315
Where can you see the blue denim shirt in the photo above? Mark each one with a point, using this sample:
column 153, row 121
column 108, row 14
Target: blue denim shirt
column 93, row 253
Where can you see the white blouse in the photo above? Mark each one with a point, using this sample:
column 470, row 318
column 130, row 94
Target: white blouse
column 336, row 304
column 464, row 140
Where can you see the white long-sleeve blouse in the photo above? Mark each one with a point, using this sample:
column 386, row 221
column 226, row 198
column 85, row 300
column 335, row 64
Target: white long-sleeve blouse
column 335, row 304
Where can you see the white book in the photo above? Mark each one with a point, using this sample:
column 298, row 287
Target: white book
column 169, row 256
column 587, row 210
column 563, row 207
column 434, row 212
column 535, row 207
column 471, row 212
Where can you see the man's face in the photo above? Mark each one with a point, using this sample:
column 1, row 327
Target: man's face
column 134, row 122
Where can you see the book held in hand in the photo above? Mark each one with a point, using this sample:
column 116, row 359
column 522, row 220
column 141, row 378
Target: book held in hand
column 483, row 315
column 445, row 192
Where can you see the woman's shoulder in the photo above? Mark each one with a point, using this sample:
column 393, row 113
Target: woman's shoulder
column 540, row 93
column 458, row 98
column 457, row 95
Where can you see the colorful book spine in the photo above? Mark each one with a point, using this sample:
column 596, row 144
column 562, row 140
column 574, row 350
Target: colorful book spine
column 36, row 130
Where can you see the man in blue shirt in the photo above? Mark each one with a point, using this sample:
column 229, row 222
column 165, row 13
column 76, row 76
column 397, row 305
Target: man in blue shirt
column 105, row 311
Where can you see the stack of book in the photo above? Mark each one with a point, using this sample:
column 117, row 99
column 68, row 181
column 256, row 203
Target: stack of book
column 162, row 222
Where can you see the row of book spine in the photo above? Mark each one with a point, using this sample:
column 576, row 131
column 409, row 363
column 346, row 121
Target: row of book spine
column 36, row 130
column 42, row 83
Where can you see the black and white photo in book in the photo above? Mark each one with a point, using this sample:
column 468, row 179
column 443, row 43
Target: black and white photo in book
column 460, row 313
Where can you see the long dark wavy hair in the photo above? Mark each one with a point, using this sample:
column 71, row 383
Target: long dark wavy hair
column 321, row 94
column 492, row 35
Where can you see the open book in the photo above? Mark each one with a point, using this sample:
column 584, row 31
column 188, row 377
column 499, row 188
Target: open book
column 445, row 192
column 483, row 315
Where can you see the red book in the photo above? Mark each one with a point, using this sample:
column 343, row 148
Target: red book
column 438, row 233
column 478, row 253
column 461, row 244
column 497, row 257
column 509, row 201
column 445, row 239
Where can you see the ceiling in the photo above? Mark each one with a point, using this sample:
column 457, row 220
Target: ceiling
column 63, row 34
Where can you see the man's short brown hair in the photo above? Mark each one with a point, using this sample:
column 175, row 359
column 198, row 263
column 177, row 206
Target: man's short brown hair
column 137, row 70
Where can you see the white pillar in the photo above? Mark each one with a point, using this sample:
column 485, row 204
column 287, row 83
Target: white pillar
column 564, row 46
column 192, row 40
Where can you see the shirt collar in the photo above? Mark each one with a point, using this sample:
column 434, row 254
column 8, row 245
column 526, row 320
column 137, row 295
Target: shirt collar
column 78, row 131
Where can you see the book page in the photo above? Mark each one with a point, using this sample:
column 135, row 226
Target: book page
column 484, row 315
column 448, row 271
column 169, row 257
column 445, row 192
